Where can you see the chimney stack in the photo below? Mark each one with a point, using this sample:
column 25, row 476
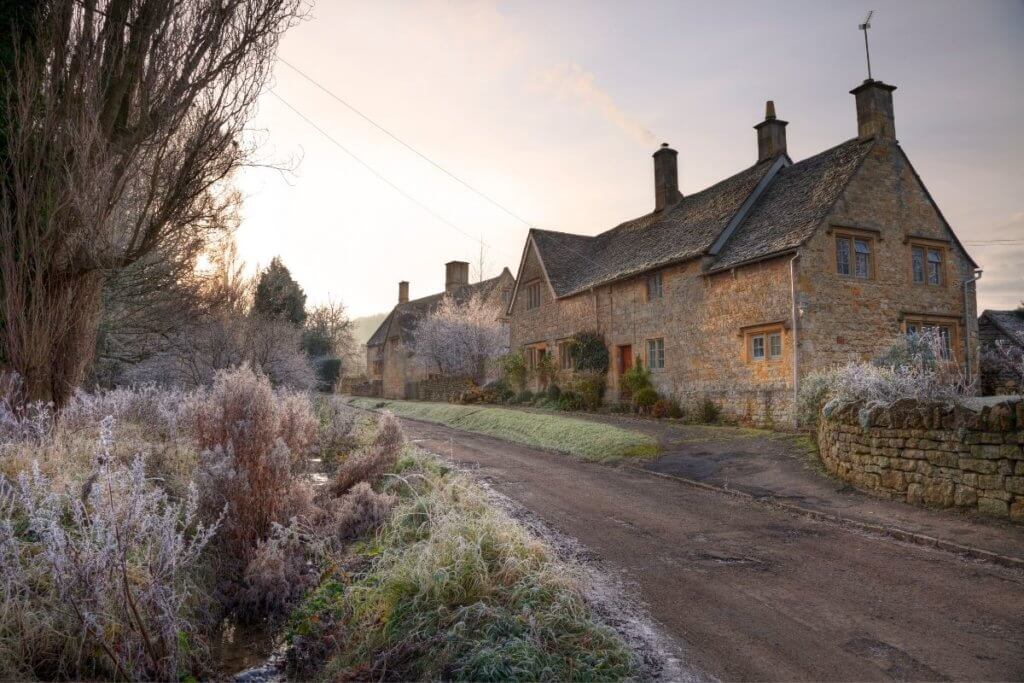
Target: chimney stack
column 874, row 110
column 666, row 178
column 456, row 274
column 771, row 135
column 403, row 292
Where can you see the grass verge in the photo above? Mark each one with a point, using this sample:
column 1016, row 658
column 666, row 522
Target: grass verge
column 453, row 588
column 581, row 438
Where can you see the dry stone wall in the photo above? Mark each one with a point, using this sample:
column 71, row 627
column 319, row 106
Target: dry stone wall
column 932, row 454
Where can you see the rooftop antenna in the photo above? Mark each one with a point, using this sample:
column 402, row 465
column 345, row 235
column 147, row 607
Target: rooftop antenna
column 864, row 27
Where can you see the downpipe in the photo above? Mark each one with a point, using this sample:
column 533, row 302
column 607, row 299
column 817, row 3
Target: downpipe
column 795, row 337
column 967, row 328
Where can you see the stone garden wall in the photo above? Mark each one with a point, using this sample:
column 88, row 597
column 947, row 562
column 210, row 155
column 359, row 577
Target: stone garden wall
column 441, row 388
column 932, row 454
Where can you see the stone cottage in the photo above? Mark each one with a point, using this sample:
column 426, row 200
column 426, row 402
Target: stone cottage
column 390, row 364
column 739, row 290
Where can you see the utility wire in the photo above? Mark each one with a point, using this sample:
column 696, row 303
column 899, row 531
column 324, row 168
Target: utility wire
column 409, row 147
column 371, row 169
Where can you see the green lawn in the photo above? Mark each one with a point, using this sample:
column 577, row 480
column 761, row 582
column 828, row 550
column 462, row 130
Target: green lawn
column 581, row 438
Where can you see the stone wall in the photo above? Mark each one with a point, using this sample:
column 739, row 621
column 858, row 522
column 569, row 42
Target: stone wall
column 932, row 454
column 372, row 388
column 441, row 388
column 848, row 319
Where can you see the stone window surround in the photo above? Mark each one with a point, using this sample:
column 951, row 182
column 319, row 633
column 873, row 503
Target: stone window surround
column 932, row 320
column 926, row 244
column 853, row 234
column 747, row 334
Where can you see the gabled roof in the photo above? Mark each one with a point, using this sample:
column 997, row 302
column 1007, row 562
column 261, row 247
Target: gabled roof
column 765, row 210
column 685, row 230
column 1010, row 323
column 404, row 317
column 793, row 206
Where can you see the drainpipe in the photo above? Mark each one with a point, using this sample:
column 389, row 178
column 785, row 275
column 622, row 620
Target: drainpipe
column 967, row 329
column 796, row 368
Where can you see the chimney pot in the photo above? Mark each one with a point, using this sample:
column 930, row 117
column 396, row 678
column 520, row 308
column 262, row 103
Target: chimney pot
column 666, row 177
column 456, row 274
column 403, row 292
column 874, row 110
column 771, row 134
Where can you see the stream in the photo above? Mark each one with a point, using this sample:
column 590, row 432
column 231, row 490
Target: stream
column 255, row 653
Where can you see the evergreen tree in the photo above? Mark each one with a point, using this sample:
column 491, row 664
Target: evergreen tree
column 278, row 296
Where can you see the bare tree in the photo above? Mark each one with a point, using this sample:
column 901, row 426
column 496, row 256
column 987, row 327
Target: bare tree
column 462, row 338
column 123, row 120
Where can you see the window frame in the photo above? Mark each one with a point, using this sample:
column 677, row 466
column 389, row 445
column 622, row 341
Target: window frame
column 658, row 280
column 565, row 361
column 534, row 298
column 927, row 247
column 851, row 237
column 655, row 348
column 764, row 333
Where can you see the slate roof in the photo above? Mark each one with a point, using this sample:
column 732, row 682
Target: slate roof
column 1010, row 323
column 682, row 231
column 792, row 205
column 406, row 316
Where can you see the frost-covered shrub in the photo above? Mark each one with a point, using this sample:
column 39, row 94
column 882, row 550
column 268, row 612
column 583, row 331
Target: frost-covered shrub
column 150, row 406
column 912, row 367
column 361, row 510
column 375, row 460
column 21, row 420
column 253, row 442
column 277, row 575
column 1002, row 367
column 99, row 582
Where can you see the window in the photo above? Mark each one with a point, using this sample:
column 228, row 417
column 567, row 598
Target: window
column 534, row 354
column 654, row 286
column 757, row 347
column 565, row 355
column 655, row 354
column 533, row 295
column 853, row 256
column 928, row 263
column 763, row 343
column 945, row 333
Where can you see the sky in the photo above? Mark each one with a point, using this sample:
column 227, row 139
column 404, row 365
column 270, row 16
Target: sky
column 553, row 110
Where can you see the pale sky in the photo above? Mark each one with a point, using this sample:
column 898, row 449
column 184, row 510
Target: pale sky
column 554, row 109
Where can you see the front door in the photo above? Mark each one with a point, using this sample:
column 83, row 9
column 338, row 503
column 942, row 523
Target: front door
column 625, row 362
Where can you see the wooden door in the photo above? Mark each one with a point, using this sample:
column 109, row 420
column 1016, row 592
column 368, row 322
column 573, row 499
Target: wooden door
column 625, row 358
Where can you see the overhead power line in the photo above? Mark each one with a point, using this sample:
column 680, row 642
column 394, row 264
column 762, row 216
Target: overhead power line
column 368, row 119
column 371, row 169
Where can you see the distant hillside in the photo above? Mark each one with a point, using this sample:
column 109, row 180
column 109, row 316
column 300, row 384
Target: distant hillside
column 366, row 326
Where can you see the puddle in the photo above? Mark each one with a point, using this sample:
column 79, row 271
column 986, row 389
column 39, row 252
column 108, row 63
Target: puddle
column 244, row 647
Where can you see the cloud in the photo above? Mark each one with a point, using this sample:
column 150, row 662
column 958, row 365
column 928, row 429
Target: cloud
column 572, row 80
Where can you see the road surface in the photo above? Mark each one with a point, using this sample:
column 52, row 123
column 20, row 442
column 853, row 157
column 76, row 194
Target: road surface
column 755, row 593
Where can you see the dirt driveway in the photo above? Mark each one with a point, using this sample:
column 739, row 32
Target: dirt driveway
column 755, row 593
